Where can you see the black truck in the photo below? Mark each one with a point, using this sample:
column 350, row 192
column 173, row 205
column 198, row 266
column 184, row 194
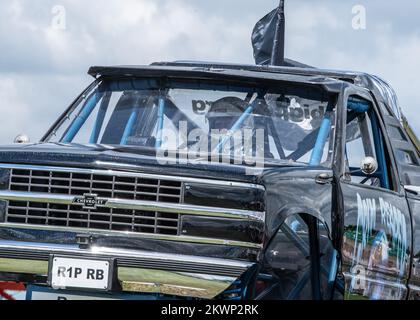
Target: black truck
column 217, row 181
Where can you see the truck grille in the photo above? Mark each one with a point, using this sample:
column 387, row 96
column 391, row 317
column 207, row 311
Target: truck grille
column 104, row 186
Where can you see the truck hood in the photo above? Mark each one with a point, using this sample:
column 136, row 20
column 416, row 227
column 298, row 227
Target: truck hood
column 103, row 157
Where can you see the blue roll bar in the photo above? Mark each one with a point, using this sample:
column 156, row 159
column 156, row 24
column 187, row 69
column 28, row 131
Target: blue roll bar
column 358, row 106
column 362, row 106
column 99, row 120
column 84, row 114
column 129, row 126
column 323, row 134
column 161, row 115
column 380, row 154
column 236, row 126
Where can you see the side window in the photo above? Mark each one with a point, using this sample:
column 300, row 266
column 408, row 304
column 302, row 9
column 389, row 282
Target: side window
column 364, row 139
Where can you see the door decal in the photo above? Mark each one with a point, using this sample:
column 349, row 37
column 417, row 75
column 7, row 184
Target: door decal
column 380, row 242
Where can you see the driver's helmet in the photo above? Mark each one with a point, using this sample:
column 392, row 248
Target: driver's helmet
column 225, row 112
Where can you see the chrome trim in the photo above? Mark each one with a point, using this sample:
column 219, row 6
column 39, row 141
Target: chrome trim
column 415, row 189
column 137, row 205
column 133, row 174
column 127, row 234
column 153, row 279
column 173, row 283
column 141, row 280
column 119, row 253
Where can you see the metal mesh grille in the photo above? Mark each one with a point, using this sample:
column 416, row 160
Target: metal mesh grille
column 106, row 186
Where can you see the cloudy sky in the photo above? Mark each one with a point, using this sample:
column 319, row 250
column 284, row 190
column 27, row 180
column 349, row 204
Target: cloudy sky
column 48, row 45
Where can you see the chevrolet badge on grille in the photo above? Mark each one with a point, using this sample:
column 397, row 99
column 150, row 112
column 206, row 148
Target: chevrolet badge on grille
column 90, row 201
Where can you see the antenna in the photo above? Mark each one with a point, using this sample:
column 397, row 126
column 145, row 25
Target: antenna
column 277, row 55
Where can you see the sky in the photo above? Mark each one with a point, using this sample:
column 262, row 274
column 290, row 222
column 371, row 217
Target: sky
column 47, row 46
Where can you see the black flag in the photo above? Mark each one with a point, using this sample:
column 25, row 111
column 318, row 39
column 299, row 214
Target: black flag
column 268, row 38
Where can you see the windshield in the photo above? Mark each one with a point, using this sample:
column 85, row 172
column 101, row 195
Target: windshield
column 272, row 124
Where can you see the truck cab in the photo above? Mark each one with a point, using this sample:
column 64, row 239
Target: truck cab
column 194, row 180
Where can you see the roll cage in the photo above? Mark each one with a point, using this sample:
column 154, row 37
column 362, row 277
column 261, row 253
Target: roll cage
column 315, row 141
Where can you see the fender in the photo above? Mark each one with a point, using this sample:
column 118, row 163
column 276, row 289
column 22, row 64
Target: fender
column 286, row 212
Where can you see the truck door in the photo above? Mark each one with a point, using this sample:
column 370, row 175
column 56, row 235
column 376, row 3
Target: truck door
column 377, row 225
column 413, row 197
column 407, row 158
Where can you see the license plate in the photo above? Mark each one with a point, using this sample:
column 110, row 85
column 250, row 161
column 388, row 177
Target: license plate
column 79, row 273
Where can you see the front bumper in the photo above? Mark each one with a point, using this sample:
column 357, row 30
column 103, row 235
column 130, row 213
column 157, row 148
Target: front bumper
column 137, row 271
